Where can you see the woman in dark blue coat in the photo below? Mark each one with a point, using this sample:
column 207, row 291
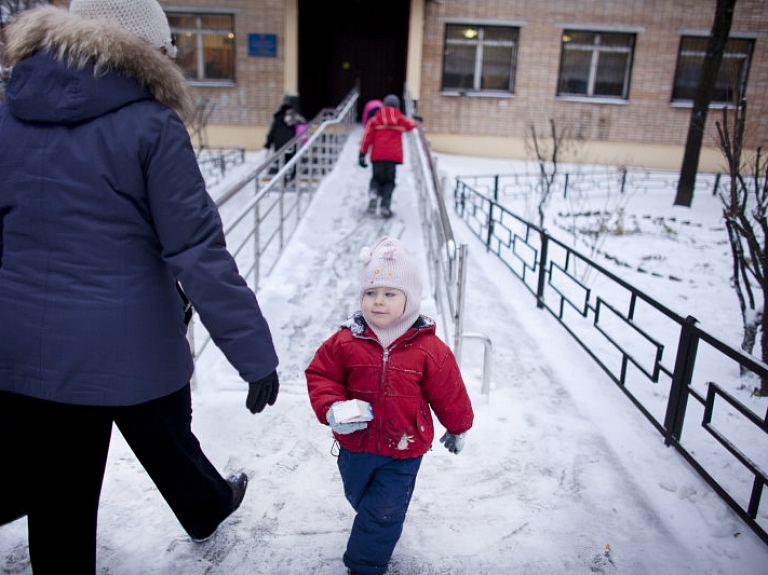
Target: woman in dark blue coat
column 102, row 210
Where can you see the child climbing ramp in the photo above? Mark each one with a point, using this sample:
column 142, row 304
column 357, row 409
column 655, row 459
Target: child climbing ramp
column 383, row 137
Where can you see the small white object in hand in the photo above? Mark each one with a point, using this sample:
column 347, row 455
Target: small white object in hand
column 352, row 410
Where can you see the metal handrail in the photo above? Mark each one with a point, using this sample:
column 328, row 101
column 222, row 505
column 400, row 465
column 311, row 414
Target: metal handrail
column 262, row 210
column 447, row 259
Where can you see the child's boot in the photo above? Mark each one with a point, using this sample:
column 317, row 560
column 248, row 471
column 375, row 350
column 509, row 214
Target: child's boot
column 374, row 199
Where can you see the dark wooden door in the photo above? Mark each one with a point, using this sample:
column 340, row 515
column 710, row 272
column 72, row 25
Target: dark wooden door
column 348, row 43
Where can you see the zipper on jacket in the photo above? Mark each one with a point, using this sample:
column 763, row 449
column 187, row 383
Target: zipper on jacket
column 384, row 361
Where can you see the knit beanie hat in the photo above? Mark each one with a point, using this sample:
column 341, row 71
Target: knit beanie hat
column 143, row 18
column 392, row 100
column 388, row 263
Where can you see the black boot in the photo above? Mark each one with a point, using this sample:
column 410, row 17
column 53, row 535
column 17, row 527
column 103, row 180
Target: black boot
column 238, row 483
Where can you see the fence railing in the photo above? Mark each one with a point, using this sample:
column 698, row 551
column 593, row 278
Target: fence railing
column 594, row 179
column 675, row 373
column 263, row 209
column 447, row 260
column 214, row 162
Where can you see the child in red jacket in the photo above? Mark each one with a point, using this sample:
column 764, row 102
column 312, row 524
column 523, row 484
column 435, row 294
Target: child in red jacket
column 389, row 359
column 383, row 135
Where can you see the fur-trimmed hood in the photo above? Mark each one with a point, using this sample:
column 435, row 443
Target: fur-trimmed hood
column 79, row 46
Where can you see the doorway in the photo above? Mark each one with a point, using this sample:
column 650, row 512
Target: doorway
column 351, row 43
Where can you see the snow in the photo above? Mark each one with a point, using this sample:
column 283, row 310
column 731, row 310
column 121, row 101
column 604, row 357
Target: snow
column 561, row 474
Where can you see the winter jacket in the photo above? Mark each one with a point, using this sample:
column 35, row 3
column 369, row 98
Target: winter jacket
column 102, row 209
column 383, row 135
column 416, row 374
column 284, row 127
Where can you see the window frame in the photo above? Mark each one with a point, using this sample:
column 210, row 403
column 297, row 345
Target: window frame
column 681, row 101
column 480, row 44
column 199, row 33
column 596, row 48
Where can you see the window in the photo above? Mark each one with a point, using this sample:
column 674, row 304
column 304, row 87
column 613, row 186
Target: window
column 731, row 80
column 479, row 58
column 595, row 64
column 206, row 45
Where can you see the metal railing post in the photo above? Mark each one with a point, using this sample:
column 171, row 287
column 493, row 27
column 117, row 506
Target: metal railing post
column 542, row 269
column 256, row 247
column 490, row 226
column 681, row 378
column 461, row 284
column 623, row 179
column 485, row 389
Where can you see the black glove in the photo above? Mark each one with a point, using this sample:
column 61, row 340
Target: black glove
column 262, row 392
column 361, row 160
column 418, row 118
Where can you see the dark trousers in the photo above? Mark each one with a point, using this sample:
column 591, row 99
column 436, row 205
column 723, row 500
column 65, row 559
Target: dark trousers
column 54, row 457
column 383, row 180
column 379, row 488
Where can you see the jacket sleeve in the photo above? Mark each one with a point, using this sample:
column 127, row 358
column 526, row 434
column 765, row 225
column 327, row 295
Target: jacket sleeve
column 270, row 136
column 406, row 123
column 193, row 245
column 326, row 378
column 2, row 215
column 367, row 140
column 445, row 391
column 3, row 110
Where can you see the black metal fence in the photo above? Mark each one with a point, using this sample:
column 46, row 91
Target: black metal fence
column 215, row 162
column 683, row 379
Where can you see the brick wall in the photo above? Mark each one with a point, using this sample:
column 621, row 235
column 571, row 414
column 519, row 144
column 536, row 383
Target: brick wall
column 645, row 118
column 258, row 89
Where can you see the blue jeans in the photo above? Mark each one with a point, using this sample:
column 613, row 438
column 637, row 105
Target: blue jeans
column 379, row 489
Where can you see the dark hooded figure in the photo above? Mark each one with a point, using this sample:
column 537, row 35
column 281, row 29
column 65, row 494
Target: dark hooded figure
column 285, row 124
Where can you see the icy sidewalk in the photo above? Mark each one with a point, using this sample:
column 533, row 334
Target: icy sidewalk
column 560, row 475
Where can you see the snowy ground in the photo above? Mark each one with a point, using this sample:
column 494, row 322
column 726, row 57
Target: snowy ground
column 560, row 475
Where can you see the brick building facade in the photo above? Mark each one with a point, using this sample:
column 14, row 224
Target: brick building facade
column 617, row 74
column 646, row 124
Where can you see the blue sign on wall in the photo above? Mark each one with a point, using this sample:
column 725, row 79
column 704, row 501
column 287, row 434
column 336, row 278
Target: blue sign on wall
column 262, row 45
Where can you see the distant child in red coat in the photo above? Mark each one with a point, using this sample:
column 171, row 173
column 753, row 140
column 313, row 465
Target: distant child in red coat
column 383, row 135
column 389, row 358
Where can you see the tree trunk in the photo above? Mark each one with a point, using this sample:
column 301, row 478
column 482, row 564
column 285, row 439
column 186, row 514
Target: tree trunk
column 721, row 27
column 763, row 389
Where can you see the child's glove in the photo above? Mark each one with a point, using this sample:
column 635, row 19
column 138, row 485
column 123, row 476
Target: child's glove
column 343, row 428
column 453, row 443
column 361, row 160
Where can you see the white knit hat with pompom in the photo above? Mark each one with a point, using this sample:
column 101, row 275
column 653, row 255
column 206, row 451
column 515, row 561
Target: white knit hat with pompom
column 388, row 263
column 143, row 18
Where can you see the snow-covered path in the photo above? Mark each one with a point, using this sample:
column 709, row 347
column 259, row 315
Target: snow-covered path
column 560, row 475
